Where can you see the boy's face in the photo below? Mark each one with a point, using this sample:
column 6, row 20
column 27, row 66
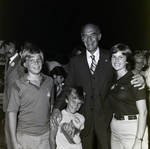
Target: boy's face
column 73, row 104
column 33, row 64
column 58, row 79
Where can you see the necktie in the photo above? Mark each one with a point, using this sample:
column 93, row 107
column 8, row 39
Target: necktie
column 93, row 64
column 7, row 63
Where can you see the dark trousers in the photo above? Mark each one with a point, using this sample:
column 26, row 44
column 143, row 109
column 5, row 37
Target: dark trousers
column 98, row 136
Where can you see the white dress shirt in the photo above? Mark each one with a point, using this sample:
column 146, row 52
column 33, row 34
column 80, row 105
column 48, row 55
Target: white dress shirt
column 96, row 54
column 13, row 57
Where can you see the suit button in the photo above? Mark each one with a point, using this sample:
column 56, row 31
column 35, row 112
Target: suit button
column 91, row 109
column 91, row 97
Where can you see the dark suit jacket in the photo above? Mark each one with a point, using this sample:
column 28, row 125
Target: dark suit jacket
column 79, row 74
column 14, row 71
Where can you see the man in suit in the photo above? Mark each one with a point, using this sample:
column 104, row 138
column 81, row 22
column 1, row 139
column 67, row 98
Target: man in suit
column 13, row 71
column 96, row 83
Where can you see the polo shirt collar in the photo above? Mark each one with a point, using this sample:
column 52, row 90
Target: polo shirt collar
column 26, row 80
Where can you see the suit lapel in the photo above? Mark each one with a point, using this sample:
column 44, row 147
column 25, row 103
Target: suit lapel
column 104, row 66
column 86, row 74
column 12, row 65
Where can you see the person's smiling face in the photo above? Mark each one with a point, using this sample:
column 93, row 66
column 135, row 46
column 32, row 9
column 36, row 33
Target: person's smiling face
column 118, row 61
column 139, row 64
column 90, row 36
column 34, row 64
column 73, row 103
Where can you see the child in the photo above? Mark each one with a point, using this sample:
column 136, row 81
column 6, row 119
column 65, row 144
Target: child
column 67, row 134
column 31, row 97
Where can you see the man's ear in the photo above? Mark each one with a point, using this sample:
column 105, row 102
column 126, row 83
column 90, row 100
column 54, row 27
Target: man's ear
column 66, row 100
column 99, row 36
column 82, row 38
column 54, row 76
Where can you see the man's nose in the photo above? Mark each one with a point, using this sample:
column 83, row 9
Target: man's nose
column 89, row 38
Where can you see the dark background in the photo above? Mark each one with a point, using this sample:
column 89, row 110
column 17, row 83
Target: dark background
column 54, row 25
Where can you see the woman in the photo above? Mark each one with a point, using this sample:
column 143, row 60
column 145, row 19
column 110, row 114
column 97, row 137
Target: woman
column 128, row 126
column 140, row 62
column 147, row 77
column 147, row 71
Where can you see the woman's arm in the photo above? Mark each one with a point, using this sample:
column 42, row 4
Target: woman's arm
column 141, row 126
column 52, row 136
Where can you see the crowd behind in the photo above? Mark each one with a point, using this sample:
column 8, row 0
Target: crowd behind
column 34, row 89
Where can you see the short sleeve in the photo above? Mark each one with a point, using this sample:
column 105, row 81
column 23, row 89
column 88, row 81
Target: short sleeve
column 138, row 94
column 14, row 102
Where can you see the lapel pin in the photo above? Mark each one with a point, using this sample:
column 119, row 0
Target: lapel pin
column 12, row 64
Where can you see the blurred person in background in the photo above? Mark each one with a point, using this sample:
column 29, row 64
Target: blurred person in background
column 147, row 77
column 13, row 71
column 58, row 74
column 147, row 71
column 77, row 50
column 139, row 63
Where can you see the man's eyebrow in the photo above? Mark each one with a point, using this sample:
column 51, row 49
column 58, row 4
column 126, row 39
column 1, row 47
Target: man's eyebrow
column 90, row 34
column 30, row 56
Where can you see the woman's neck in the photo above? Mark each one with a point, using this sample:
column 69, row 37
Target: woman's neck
column 121, row 73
